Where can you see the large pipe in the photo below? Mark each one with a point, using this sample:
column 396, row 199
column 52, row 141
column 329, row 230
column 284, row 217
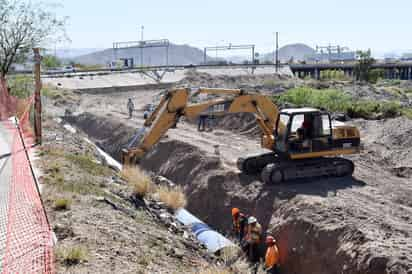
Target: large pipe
column 213, row 240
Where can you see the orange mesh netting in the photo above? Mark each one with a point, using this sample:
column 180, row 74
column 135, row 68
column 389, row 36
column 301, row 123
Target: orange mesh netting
column 28, row 241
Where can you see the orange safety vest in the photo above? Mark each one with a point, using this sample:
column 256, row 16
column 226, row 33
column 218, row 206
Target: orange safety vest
column 272, row 256
column 236, row 224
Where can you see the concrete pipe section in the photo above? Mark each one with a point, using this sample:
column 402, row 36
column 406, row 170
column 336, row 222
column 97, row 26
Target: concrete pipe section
column 213, row 240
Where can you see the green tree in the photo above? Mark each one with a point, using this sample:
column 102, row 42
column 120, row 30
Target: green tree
column 23, row 26
column 364, row 65
column 51, row 61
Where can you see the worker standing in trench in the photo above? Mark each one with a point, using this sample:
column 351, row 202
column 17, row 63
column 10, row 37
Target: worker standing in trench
column 253, row 238
column 239, row 223
column 272, row 256
column 250, row 242
column 130, row 107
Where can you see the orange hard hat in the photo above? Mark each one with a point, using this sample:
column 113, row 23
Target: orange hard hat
column 270, row 240
column 235, row 211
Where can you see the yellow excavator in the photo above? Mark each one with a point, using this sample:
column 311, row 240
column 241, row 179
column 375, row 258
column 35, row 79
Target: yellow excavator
column 304, row 142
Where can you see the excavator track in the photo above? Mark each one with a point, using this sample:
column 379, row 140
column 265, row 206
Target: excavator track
column 255, row 164
column 275, row 169
column 286, row 170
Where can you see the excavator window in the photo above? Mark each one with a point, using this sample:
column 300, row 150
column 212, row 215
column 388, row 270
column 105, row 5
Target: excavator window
column 326, row 125
column 281, row 131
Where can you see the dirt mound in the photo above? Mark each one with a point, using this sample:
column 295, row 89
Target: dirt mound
column 389, row 142
column 241, row 123
column 272, row 82
column 339, row 225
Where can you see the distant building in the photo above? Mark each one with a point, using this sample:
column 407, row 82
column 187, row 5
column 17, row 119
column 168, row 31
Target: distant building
column 332, row 54
column 406, row 57
column 332, row 57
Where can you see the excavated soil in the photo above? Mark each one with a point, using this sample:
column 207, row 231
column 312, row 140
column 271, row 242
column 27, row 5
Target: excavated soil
column 361, row 224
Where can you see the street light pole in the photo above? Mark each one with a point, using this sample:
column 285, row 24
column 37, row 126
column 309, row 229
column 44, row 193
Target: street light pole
column 277, row 52
column 141, row 45
column 274, row 48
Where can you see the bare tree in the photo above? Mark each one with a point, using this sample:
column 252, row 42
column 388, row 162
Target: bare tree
column 24, row 25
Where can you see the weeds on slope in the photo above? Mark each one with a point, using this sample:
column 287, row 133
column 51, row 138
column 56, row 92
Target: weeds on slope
column 72, row 255
column 173, row 197
column 140, row 182
column 142, row 186
column 62, row 204
column 337, row 101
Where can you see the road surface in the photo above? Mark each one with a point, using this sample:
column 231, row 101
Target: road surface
column 5, row 174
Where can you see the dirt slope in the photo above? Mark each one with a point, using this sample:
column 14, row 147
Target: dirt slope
column 346, row 225
column 98, row 219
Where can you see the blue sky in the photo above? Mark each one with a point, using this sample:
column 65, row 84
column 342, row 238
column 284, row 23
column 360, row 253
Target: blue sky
column 359, row 24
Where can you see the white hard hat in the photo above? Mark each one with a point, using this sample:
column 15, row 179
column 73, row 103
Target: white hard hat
column 251, row 220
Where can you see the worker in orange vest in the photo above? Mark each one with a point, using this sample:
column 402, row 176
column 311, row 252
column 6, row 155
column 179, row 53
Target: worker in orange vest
column 253, row 238
column 272, row 256
column 239, row 222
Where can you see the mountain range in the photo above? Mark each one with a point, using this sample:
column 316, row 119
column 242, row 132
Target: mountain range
column 179, row 55
column 186, row 54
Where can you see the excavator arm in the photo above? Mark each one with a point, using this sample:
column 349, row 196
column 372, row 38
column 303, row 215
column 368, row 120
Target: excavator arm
column 176, row 104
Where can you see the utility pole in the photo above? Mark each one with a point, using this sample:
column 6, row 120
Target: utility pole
column 277, row 52
column 274, row 49
column 141, row 45
column 37, row 96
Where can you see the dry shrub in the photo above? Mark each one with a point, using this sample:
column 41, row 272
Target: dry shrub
column 230, row 254
column 215, row 270
column 72, row 255
column 140, row 182
column 62, row 204
column 172, row 197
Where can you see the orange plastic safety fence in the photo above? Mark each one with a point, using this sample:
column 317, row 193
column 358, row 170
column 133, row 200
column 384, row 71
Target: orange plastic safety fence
column 29, row 242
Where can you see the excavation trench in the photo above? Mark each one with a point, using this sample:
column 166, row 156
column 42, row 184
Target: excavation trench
column 312, row 238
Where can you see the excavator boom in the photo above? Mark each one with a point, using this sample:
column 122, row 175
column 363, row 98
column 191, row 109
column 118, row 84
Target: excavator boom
column 176, row 104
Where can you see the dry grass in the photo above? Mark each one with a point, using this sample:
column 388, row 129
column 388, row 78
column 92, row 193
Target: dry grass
column 230, row 254
column 62, row 204
column 139, row 181
column 172, row 197
column 72, row 255
column 215, row 270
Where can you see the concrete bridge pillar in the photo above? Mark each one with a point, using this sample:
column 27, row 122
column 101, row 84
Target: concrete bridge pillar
column 404, row 74
column 347, row 73
column 391, row 74
column 350, row 73
column 317, row 74
column 386, row 73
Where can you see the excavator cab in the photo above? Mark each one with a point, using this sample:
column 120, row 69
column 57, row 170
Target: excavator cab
column 303, row 130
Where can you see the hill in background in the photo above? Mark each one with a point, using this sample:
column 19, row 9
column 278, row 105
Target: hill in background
column 178, row 55
column 298, row 52
column 182, row 55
